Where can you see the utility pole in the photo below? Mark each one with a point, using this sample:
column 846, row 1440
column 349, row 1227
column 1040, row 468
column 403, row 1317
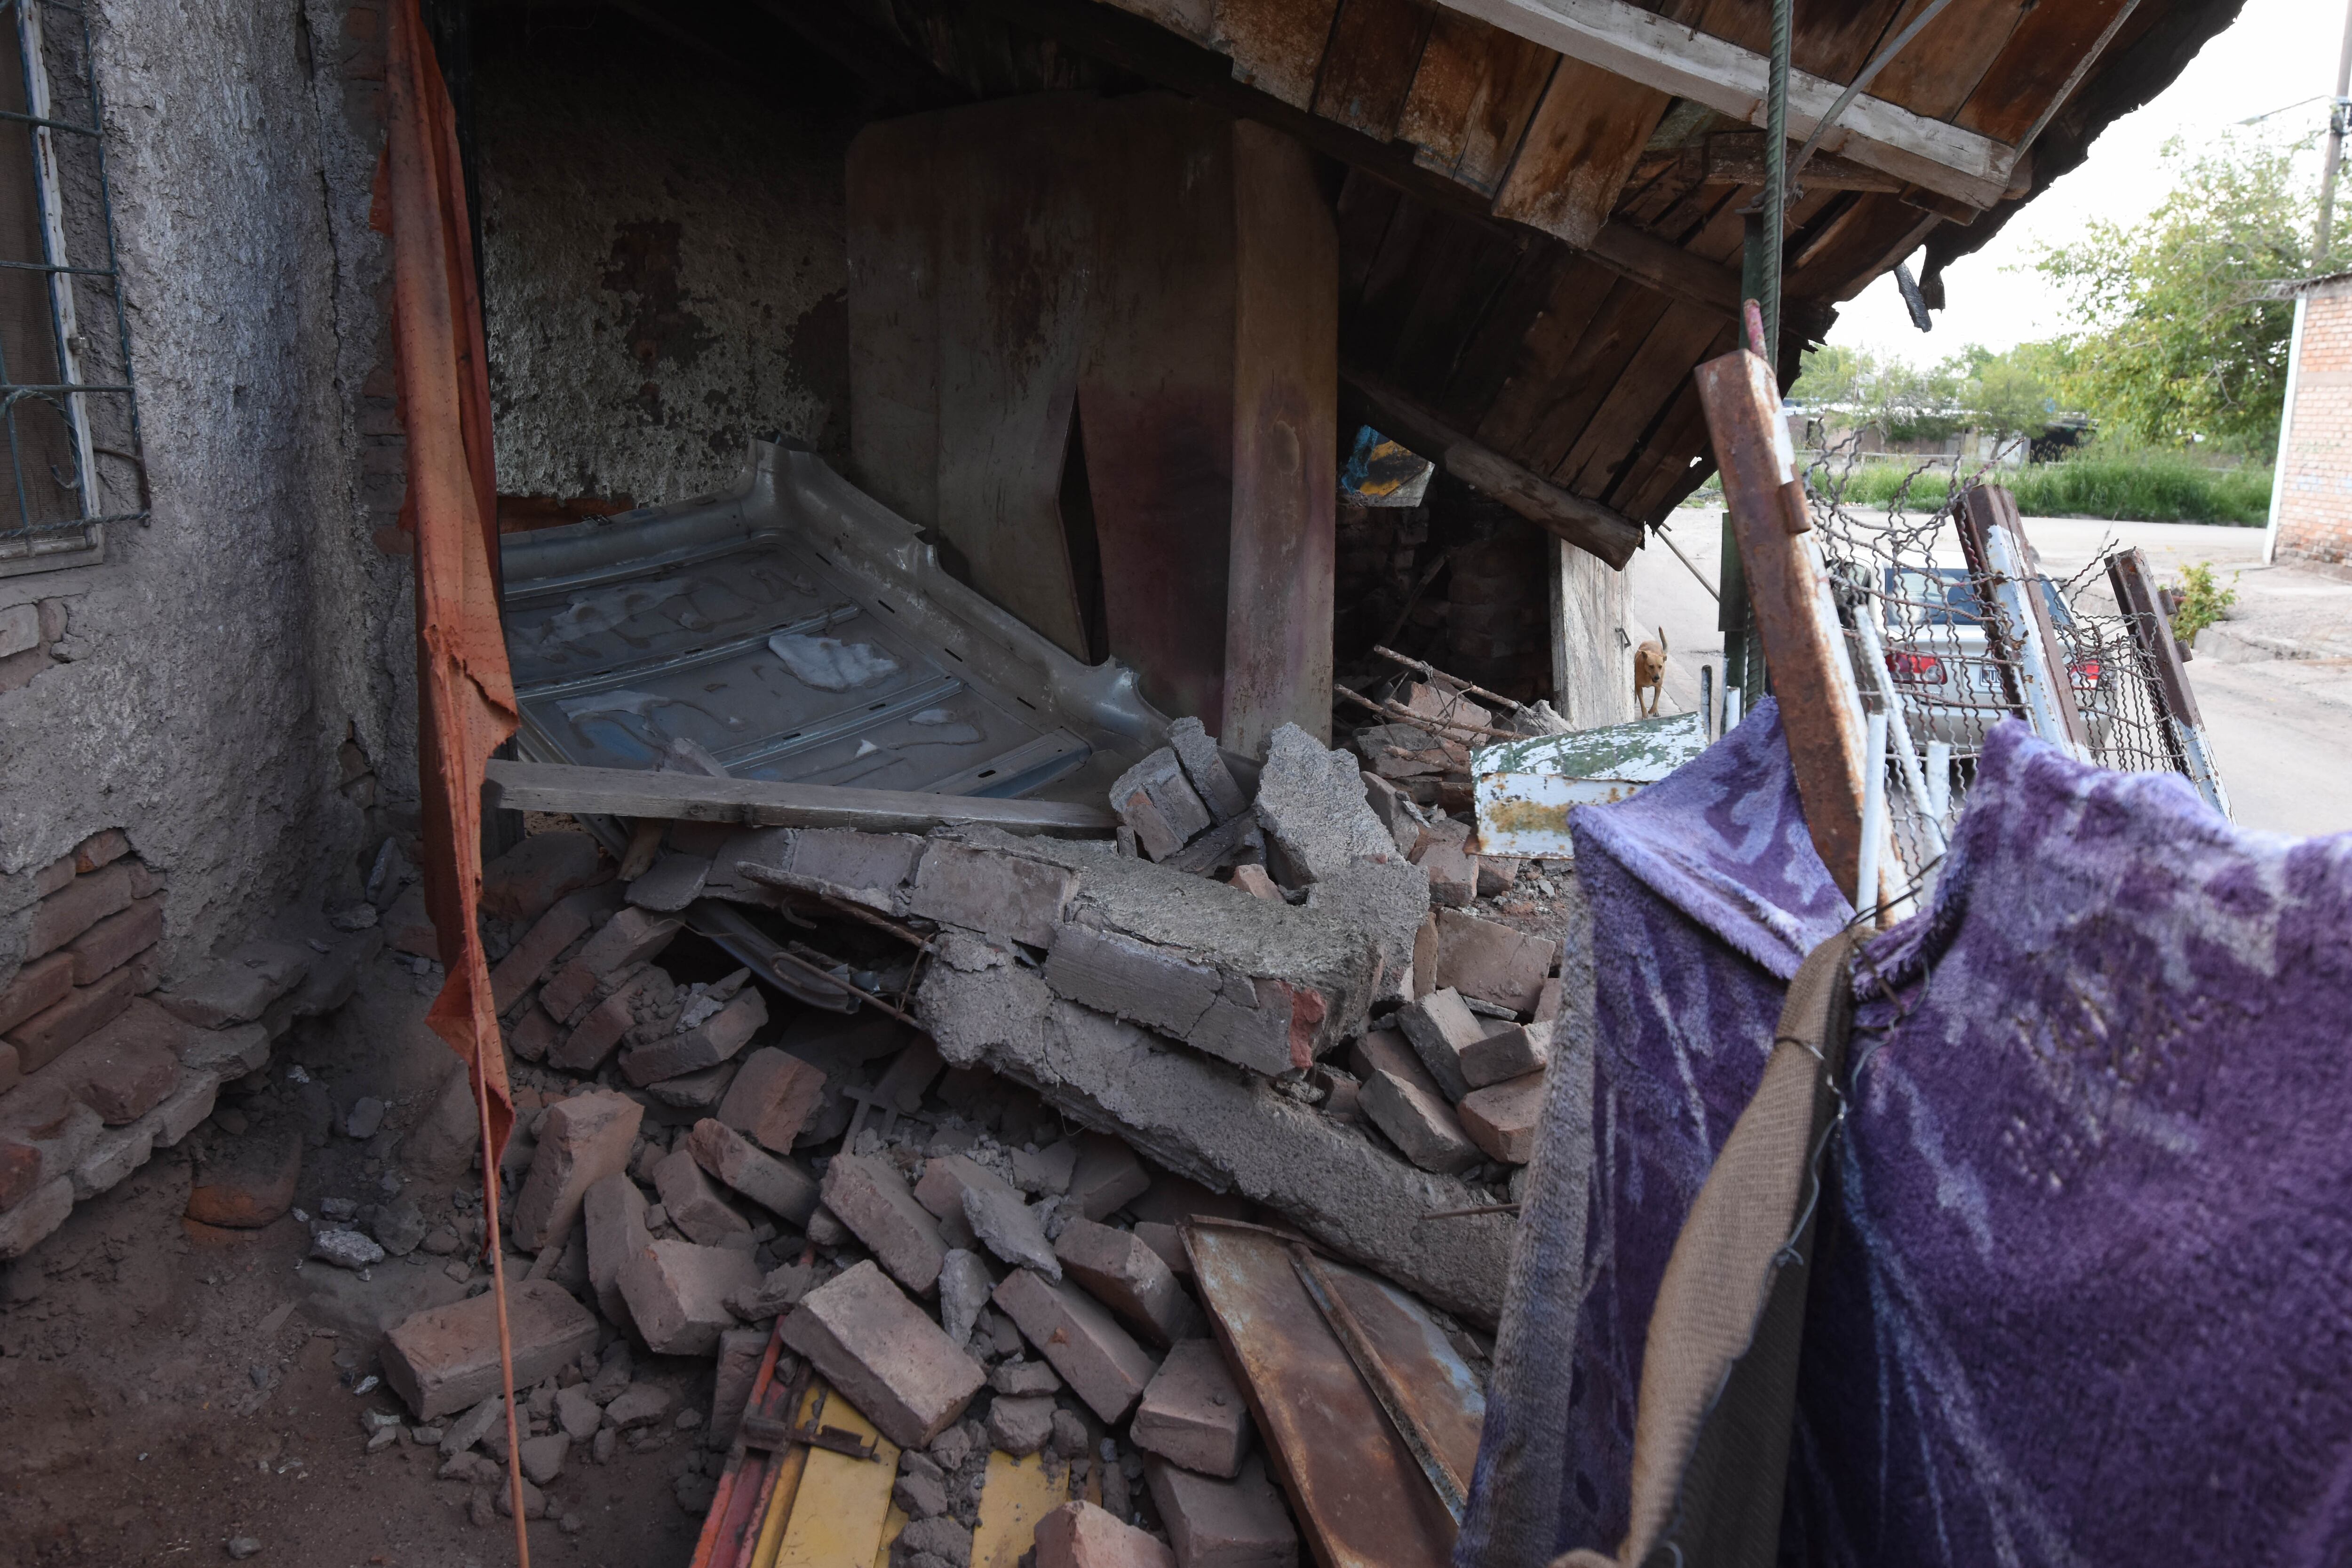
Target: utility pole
column 2335, row 158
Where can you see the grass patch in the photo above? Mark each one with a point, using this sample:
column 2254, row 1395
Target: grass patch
column 2140, row 486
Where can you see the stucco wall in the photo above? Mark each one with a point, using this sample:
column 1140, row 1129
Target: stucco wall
column 213, row 666
column 664, row 266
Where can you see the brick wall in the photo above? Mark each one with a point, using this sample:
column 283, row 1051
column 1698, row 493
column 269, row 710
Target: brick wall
column 2315, row 468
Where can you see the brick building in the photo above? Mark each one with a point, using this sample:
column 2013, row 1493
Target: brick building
column 2311, row 501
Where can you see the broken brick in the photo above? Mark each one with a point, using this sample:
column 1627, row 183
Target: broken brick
column 884, row 1355
column 629, row 938
column 1239, row 1524
column 1154, row 798
column 714, row 1040
column 1002, row 894
column 10, row 1073
column 99, row 849
column 20, row 1172
column 1453, row 873
column 1505, row 1051
column 1192, row 1412
column 1496, row 875
column 117, row 940
column 1387, row 1050
column 46, row 1036
column 1259, row 1024
column 1081, row 1535
column 771, row 1098
column 526, row 962
column 777, row 1185
column 248, row 1182
column 581, row 1141
column 1164, row 1239
column 1418, row 1122
column 1251, row 879
column 591, row 1040
column 533, row 1035
column 525, row 883
column 1106, row 1177
column 239, row 988
column 612, row 1215
column 693, row 1204
column 671, row 883
column 1491, row 962
column 1100, row 1360
column 740, row 1351
column 940, row 1190
column 1021, row 1424
column 118, row 1073
column 865, row 1193
column 1442, row 1028
column 676, row 1294
column 1205, row 768
column 76, row 907
column 445, row 1358
column 38, row 986
column 1501, row 1119
column 1129, row 1278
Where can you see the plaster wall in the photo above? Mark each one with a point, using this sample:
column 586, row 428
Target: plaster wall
column 210, row 670
column 665, row 266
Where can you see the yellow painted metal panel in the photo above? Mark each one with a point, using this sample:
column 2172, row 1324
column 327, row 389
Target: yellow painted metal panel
column 891, row 1526
column 1016, row 1495
column 843, row 1503
column 788, row 1484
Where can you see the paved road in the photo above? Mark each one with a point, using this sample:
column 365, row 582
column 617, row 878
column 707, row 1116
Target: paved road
column 2280, row 728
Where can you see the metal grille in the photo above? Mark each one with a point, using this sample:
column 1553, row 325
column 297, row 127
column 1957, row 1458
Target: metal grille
column 66, row 402
column 1942, row 649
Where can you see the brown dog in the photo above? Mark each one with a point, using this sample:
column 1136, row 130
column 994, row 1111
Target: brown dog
column 1650, row 673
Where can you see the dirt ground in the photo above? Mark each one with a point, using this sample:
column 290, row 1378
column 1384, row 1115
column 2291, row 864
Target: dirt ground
column 166, row 1387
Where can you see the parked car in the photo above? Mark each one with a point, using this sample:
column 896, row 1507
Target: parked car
column 1943, row 669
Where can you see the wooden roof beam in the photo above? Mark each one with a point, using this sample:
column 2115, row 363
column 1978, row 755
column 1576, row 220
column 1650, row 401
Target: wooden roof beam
column 1587, row 524
column 1632, row 43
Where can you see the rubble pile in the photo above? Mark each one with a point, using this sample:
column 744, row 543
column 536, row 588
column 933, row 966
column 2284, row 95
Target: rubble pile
column 961, row 1209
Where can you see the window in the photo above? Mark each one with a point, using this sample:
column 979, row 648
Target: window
column 70, row 460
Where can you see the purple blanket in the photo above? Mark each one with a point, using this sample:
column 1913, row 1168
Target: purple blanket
column 2086, row 1296
column 2082, row 1284
column 1705, row 894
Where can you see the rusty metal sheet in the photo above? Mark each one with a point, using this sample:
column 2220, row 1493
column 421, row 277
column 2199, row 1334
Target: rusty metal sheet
column 1354, row 1481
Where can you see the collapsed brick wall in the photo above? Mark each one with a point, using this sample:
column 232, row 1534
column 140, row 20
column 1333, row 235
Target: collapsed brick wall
column 2314, row 468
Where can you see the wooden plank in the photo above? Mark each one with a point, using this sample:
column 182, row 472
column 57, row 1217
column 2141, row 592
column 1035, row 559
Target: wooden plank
column 1583, row 384
column 1193, row 19
column 1821, row 710
column 2040, row 64
column 1586, row 524
column 1368, row 69
column 1625, row 40
column 1518, row 312
column 758, row 802
column 1662, row 473
column 1737, row 158
column 1472, row 98
column 1367, row 207
column 1673, row 270
column 1014, row 252
column 1285, row 459
column 1936, row 71
column 1659, row 369
column 1276, row 45
column 1468, row 267
column 1155, row 397
column 1591, row 677
column 894, row 362
column 1579, row 148
column 1585, row 292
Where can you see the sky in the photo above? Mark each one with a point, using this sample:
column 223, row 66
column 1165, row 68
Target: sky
column 2276, row 52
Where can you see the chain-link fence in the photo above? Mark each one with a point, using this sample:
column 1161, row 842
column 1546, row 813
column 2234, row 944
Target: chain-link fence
column 1952, row 626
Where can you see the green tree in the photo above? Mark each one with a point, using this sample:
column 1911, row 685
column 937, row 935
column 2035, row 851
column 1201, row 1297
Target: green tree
column 2007, row 398
column 2172, row 349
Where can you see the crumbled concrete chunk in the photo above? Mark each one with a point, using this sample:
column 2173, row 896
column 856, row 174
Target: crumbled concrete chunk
column 964, row 1285
column 1008, row 1227
column 1310, row 802
column 1101, row 1362
column 581, row 1141
column 866, row 1194
column 1020, row 1426
column 1122, row 1273
column 1002, row 894
column 1192, row 1413
column 445, row 1358
column 240, row 987
column 886, row 1356
column 671, row 883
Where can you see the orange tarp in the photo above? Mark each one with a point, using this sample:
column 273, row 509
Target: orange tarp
column 465, row 694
